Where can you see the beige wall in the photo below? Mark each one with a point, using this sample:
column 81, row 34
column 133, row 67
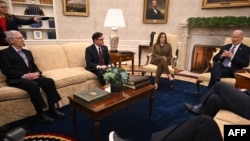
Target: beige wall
column 76, row 27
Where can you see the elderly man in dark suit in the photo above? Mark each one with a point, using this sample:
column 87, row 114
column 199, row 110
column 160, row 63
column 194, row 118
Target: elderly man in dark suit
column 230, row 58
column 18, row 66
column 97, row 57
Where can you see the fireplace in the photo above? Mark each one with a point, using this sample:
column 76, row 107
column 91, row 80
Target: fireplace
column 201, row 56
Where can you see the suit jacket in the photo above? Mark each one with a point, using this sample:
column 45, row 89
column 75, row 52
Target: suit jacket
column 240, row 59
column 13, row 65
column 158, row 52
column 151, row 14
column 92, row 57
column 12, row 23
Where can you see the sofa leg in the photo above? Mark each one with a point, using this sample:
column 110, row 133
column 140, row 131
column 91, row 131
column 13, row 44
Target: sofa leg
column 198, row 87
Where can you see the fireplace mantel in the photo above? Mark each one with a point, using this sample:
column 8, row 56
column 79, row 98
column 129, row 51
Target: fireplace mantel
column 201, row 35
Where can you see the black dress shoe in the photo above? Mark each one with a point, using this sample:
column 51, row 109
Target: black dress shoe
column 193, row 109
column 45, row 118
column 56, row 113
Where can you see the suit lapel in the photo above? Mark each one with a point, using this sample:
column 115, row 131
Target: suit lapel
column 15, row 54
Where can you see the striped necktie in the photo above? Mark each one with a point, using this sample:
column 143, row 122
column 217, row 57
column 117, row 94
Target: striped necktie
column 228, row 60
column 101, row 61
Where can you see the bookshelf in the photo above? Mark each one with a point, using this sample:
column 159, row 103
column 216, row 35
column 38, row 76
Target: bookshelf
column 26, row 9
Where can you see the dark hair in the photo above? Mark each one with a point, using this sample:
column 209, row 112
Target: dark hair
column 159, row 36
column 96, row 35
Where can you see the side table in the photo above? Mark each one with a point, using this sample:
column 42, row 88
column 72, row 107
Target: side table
column 120, row 57
column 140, row 48
column 242, row 79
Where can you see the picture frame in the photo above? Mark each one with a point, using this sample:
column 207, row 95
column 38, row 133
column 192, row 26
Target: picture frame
column 76, row 8
column 150, row 16
column 38, row 35
column 225, row 3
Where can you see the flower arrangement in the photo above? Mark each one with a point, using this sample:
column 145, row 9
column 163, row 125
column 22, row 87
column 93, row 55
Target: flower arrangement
column 116, row 75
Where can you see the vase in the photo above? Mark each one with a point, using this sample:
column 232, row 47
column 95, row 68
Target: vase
column 116, row 87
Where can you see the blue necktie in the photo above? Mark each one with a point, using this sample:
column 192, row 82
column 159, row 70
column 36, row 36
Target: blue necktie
column 227, row 60
column 25, row 59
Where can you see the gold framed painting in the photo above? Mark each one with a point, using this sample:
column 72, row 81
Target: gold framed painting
column 76, row 7
column 37, row 34
column 155, row 11
column 225, row 3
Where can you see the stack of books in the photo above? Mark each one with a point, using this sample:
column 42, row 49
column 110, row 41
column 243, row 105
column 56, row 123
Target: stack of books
column 136, row 81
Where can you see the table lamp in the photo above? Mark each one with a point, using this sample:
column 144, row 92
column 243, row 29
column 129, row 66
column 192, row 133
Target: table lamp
column 114, row 19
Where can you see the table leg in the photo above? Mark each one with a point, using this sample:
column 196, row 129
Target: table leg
column 73, row 113
column 151, row 99
column 97, row 130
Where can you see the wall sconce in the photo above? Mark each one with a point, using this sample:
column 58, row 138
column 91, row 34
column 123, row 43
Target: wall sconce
column 114, row 19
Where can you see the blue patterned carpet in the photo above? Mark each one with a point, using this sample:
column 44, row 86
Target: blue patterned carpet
column 132, row 123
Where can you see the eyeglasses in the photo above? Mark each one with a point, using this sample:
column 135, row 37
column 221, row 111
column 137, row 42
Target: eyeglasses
column 20, row 38
column 4, row 7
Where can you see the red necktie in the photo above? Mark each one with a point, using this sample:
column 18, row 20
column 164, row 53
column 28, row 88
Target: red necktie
column 100, row 56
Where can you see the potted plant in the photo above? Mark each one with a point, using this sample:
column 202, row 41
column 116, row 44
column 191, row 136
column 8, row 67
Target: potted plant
column 116, row 77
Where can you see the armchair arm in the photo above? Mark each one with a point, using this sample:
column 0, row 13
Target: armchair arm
column 173, row 61
column 149, row 56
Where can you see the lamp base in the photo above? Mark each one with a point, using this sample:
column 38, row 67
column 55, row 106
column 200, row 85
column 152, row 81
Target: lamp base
column 114, row 40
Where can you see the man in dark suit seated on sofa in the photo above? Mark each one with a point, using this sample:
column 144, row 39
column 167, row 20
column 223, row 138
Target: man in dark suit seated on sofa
column 97, row 57
column 230, row 58
column 18, row 66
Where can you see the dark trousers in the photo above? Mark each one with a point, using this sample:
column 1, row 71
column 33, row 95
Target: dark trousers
column 33, row 88
column 224, row 96
column 99, row 74
column 219, row 71
column 200, row 128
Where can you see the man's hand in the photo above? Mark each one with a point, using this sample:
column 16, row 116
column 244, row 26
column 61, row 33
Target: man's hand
column 227, row 54
column 31, row 76
column 102, row 67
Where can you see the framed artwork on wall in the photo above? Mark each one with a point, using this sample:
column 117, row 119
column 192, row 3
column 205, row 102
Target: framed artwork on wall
column 155, row 11
column 76, row 7
column 224, row 3
column 37, row 34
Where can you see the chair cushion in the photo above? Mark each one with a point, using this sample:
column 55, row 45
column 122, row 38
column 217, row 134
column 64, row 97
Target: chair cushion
column 152, row 68
column 206, row 77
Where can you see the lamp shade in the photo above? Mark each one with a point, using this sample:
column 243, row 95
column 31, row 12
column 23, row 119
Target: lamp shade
column 114, row 19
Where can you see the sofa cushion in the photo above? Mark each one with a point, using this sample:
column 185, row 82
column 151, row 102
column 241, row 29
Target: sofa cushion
column 75, row 53
column 49, row 57
column 8, row 93
column 69, row 76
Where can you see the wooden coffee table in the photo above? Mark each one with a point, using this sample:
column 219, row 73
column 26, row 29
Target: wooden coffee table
column 107, row 106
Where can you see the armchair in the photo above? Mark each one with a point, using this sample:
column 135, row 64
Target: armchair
column 172, row 39
column 205, row 76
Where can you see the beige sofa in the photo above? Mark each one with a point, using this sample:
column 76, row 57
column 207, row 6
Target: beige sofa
column 64, row 63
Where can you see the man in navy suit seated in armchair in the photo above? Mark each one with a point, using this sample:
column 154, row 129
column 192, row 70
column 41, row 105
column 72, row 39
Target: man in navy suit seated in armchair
column 97, row 57
column 230, row 58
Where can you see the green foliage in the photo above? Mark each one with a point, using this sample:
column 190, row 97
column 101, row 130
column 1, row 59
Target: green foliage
column 117, row 75
column 227, row 21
